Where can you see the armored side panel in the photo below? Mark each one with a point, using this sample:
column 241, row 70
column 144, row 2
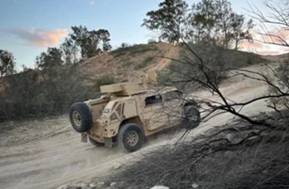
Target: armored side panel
column 122, row 89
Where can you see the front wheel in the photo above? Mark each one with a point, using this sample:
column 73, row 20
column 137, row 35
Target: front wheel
column 191, row 118
column 130, row 137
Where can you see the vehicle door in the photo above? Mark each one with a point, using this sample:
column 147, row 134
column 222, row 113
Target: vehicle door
column 172, row 102
column 154, row 115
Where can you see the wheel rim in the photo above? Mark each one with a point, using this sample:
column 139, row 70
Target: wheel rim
column 76, row 118
column 194, row 118
column 193, row 115
column 132, row 138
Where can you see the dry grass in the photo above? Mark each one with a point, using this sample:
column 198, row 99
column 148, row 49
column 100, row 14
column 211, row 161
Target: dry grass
column 258, row 160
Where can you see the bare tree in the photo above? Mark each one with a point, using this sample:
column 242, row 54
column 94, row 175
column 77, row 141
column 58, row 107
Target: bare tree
column 277, row 16
column 207, row 73
column 209, row 79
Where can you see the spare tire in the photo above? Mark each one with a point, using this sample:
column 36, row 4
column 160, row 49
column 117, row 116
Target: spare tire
column 80, row 117
column 192, row 117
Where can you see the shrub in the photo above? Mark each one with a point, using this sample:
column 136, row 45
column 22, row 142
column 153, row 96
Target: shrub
column 124, row 45
column 51, row 92
column 152, row 41
column 133, row 50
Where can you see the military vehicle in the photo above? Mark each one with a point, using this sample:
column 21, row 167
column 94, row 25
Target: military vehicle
column 126, row 114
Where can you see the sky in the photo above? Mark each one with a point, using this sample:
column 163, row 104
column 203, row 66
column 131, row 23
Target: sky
column 29, row 27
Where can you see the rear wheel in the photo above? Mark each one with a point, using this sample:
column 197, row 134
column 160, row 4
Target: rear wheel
column 130, row 137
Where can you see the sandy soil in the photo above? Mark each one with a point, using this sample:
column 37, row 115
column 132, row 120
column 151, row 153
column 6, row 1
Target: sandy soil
column 48, row 153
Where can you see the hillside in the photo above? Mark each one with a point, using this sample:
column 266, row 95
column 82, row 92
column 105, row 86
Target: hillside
column 138, row 63
column 54, row 90
column 143, row 62
column 278, row 58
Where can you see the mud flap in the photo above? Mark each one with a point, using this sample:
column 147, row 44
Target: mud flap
column 108, row 142
column 84, row 137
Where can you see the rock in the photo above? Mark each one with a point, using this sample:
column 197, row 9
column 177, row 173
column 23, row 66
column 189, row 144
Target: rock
column 160, row 187
column 100, row 184
column 117, row 166
column 113, row 184
column 78, row 186
column 253, row 140
column 234, row 138
column 195, row 185
column 92, row 186
column 82, row 186
column 63, row 187
column 265, row 171
column 66, row 186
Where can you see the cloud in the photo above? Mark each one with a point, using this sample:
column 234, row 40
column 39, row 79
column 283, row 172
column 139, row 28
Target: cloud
column 92, row 2
column 261, row 43
column 40, row 37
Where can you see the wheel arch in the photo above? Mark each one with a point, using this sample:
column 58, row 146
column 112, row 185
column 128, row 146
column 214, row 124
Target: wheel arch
column 135, row 120
column 126, row 127
column 191, row 103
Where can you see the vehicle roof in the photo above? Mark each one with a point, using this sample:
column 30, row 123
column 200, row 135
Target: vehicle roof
column 147, row 93
column 162, row 90
column 144, row 93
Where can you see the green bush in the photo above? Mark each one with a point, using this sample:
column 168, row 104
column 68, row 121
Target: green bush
column 41, row 93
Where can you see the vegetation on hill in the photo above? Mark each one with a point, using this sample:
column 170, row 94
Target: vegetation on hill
column 55, row 85
column 210, row 21
column 216, row 58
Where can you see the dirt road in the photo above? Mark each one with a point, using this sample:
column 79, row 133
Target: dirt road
column 48, row 153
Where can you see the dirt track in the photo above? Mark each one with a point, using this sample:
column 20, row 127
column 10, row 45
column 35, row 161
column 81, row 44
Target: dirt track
column 48, row 153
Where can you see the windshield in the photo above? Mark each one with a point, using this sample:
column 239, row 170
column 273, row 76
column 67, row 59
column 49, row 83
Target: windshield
column 106, row 111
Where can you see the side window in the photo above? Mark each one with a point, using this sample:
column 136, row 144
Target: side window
column 119, row 109
column 173, row 95
column 151, row 100
column 113, row 117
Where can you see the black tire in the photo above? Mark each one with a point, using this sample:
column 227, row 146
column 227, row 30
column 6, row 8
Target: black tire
column 80, row 117
column 191, row 118
column 130, row 137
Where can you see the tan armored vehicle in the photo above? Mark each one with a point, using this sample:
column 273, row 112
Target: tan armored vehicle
column 126, row 114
